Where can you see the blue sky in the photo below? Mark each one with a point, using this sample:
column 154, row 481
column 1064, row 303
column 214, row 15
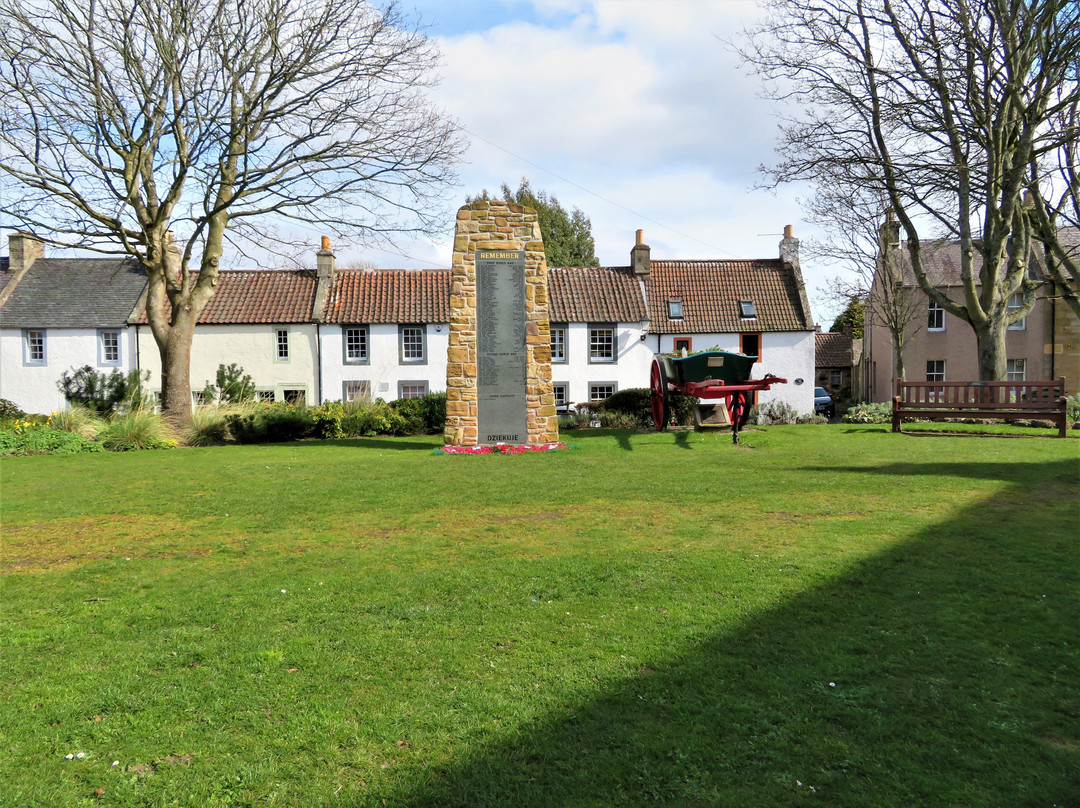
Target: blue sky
column 633, row 111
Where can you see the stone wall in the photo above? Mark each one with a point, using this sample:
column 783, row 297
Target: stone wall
column 497, row 226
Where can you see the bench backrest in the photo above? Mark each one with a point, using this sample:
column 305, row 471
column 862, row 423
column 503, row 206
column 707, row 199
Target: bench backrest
column 981, row 395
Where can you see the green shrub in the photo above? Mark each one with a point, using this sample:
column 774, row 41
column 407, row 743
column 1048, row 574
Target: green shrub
column 620, row 420
column 79, row 420
column 44, row 441
column 631, row 407
column 812, row 418
column 1072, row 408
column 233, row 386
column 412, row 417
column 326, row 420
column 8, row 409
column 136, row 429
column 433, row 413
column 879, row 413
column 773, row 412
column 682, row 408
column 101, row 393
column 273, row 423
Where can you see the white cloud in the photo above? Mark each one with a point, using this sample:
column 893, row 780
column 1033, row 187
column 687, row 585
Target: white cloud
column 638, row 102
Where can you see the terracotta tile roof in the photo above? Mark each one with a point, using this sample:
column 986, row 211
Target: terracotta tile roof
column 389, row 296
column 595, row 295
column 259, row 296
column 832, row 350
column 710, row 292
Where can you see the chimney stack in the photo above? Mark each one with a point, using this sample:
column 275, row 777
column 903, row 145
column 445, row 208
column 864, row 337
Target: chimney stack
column 324, row 273
column 324, row 260
column 789, row 247
column 23, row 250
column 639, row 256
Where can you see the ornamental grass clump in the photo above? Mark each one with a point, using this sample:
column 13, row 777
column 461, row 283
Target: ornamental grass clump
column 136, row 429
column 79, row 420
column 207, row 426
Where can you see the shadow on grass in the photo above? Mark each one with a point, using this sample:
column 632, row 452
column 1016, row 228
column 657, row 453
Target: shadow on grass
column 414, row 443
column 942, row 672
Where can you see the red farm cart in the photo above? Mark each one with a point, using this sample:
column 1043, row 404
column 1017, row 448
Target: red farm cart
column 721, row 380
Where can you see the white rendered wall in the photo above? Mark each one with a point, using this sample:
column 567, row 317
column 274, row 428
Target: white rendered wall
column 383, row 370
column 631, row 368
column 33, row 387
column 787, row 354
column 252, row 347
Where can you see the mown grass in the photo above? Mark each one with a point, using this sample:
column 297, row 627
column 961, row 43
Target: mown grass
column 826, row 615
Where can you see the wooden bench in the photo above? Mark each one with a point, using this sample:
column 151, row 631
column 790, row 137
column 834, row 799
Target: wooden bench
column 1008, row 401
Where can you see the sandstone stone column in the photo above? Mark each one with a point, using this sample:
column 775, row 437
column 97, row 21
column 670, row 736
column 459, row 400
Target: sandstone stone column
column 498, row 226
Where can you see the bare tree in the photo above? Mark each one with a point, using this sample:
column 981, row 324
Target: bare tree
column 1055, row 201
column 939, row 108
column 223, row 120
column 865, row 239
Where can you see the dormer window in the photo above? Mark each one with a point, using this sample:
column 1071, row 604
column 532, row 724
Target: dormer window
column 674, row 309
column 747, row 310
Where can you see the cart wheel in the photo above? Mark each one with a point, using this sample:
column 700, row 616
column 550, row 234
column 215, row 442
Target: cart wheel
column 744, row 408
column 740, row 414
column 658, row 395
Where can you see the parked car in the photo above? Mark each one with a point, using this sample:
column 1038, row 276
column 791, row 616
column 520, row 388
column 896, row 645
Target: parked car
column 823, row 403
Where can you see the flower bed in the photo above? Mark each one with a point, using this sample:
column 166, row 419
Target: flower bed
column 502, row 448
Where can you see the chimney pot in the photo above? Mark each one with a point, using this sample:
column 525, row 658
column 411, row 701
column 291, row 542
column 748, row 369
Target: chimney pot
column 640, row 237
column 326, row 243
column 789, row 231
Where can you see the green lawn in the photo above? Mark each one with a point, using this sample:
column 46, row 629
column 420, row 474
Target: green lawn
column 825, row 615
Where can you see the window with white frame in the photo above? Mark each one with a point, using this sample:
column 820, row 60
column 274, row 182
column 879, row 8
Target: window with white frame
column 353, row 390
column 601, row 343
column 264, row 396
column 935, row 320
column 108, row 347
column 1016, row 301
column 559, row 388
column 413, row 339
column 935, row 372
column 598, row 391
column 836, row 377
column 281, row 344
column 34, row 346
column 674, row 308
column 356, row 344
column 295, row 396
column 747, row 310
column 412, row 389
column 558, row 343
column 1015, row 370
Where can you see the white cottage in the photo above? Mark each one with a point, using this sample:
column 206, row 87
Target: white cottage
column 59, row 314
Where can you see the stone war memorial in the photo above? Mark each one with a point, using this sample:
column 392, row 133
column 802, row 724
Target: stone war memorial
column 498, row 371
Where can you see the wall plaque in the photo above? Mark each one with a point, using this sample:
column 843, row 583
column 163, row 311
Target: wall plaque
column 500, row 335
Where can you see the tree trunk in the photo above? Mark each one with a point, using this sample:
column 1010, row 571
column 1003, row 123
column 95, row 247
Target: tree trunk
column 898, row 359
column 990, row 339
column 176, row 373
